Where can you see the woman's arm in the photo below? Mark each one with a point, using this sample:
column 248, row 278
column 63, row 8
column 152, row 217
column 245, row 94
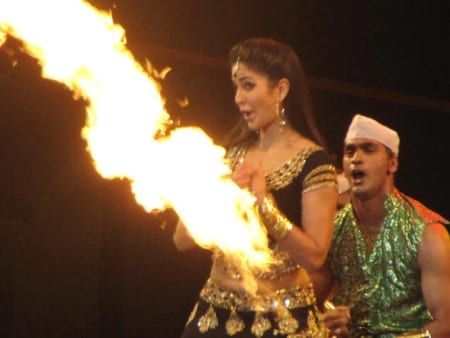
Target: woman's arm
column 182, row 238
column 308, row 246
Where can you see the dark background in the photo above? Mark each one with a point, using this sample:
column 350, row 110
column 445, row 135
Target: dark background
column 78, row 256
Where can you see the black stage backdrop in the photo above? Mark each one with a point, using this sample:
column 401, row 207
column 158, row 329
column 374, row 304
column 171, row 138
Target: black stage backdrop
column 78, row 256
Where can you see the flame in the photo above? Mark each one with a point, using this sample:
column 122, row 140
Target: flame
column 2, row 37
column 128, row 131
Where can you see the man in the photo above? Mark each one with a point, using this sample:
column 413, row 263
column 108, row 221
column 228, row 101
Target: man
column 390, row 255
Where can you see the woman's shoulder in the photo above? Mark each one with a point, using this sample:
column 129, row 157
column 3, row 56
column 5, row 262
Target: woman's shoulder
column 312, row 152
column 235, row 154
column 319, row 169
column 307, row 147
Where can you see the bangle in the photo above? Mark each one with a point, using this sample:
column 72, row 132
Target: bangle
column 273, row 219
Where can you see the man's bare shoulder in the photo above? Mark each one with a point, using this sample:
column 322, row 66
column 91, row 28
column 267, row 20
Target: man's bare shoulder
column 435, row 245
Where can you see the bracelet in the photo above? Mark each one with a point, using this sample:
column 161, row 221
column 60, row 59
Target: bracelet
column 273, row 219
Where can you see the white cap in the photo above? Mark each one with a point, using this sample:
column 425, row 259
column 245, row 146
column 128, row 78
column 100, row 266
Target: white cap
column 365, row 127
column 343, row 183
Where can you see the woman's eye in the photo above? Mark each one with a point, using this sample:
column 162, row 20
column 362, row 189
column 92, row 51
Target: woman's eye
column 248, row 86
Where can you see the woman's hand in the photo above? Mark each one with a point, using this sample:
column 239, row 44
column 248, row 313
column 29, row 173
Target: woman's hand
column 251, row 177
column 242, row 175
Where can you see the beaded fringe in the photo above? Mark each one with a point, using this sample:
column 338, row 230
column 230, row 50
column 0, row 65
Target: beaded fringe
column 286, row 323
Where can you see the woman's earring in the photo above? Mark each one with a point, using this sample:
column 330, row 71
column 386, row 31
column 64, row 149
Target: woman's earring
column 283, row 118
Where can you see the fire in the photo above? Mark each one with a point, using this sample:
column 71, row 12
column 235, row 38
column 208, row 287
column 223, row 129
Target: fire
column 128, row 131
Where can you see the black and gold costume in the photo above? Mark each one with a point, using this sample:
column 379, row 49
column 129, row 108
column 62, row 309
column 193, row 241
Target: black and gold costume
column 291, row 312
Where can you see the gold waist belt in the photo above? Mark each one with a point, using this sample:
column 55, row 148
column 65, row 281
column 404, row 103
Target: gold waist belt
column 294, row 297
column 279, row 302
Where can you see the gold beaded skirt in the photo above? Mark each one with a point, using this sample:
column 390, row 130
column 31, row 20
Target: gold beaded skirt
column 290, row 313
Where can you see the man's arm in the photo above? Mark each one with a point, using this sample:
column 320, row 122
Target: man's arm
column 434, row 262
column 335, row 318
column 323, row 284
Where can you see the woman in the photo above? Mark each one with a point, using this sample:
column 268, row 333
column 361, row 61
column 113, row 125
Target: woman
column 276, row 153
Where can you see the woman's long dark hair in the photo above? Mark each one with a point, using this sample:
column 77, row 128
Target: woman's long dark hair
column 277, row 60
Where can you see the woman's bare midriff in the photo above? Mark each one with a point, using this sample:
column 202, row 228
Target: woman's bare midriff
column 222, row 278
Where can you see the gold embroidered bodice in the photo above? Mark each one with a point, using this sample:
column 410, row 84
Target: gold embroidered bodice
column 287, row 184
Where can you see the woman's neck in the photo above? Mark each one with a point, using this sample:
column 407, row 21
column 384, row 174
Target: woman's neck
column 275, row 135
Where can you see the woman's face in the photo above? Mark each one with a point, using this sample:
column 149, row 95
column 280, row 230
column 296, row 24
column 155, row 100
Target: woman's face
column 256, row 97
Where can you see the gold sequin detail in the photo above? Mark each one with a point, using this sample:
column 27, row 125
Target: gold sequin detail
column 235, row 155
column 288, row 171
column 287, row 324
column 208, row 321
column 260, row 325
column 322, row 176
column 276, row 223
column 234, row 324
column 296, row 296
column 284, row 265
column 278, row 304
column 284, row 175
column 314, row 328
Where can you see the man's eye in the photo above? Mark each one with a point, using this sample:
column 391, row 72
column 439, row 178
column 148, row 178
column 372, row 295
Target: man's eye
column 369, row 149
column 349, row 151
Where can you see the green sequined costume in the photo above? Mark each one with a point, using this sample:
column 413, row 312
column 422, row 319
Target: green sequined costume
column 382, row 285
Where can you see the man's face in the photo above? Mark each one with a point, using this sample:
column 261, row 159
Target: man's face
column 369, row 167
